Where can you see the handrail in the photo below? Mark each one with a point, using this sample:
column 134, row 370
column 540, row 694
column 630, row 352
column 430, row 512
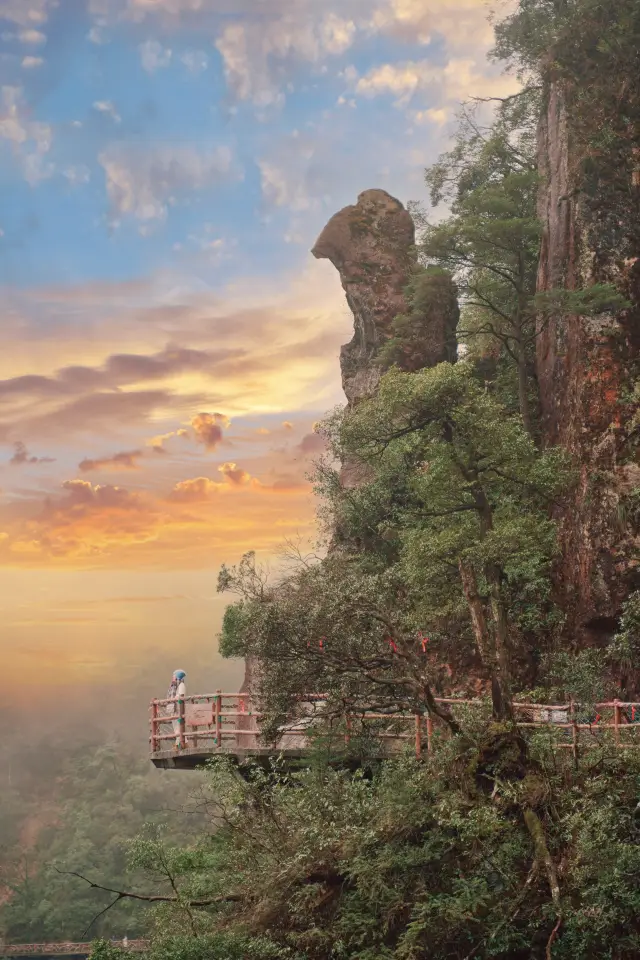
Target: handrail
column 65, row 948
column 304, row 697
column 230, row 723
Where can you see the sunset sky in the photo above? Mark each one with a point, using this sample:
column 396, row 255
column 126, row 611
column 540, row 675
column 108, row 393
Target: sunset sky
column 167, row 339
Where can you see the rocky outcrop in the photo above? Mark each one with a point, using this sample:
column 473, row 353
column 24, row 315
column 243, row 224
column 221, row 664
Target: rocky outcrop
column 371, row 244
column 585, row 369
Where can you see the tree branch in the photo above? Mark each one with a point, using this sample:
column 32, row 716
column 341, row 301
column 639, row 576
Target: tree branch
column 150, row 898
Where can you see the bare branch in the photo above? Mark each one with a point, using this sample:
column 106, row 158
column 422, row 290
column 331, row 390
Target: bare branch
column 150, row 898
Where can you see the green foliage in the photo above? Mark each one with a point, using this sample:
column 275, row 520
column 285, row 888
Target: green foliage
column 235, row 623
column 625, row 647
column 478, row 490
column 490, row 242
column 580, row 676
column 451, row 482
column 413, row 862
column 105, row 950
column 220, row 946
column 433, row 305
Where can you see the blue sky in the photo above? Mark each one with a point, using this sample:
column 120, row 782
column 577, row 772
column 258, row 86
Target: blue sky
column 140, row 134
column 168, row 339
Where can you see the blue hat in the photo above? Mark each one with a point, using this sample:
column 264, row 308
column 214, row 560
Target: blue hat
column 179, row 674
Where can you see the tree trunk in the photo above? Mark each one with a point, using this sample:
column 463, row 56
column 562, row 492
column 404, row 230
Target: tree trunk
column 523, row 393
column 501, row 628
column 487, row 647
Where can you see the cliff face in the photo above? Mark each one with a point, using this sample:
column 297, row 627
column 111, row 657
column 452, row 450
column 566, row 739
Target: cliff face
column 586, row 369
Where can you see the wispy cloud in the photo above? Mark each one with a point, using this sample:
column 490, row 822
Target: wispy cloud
column 21, row 456
column 126, row 460
column 28, row 14
column 108, row 107
column 143, row 182
column 196, row 61
column 32, row 37
column 30, row 139
column 255, row 52
column 154, row 56
column 31, row 63
column 458, row 80
column 179, row 354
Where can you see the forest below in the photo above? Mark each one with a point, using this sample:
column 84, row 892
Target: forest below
column 441, row 572
column 71, row 804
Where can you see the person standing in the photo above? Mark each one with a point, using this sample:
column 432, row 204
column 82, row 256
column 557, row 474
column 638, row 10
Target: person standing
column 177, row 691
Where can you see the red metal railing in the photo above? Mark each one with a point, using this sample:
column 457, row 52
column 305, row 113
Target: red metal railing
column 230, row 723
column 65, row 949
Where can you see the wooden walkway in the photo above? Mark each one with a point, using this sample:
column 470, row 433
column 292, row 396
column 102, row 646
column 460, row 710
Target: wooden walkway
column 186, row 733
column 65, row 949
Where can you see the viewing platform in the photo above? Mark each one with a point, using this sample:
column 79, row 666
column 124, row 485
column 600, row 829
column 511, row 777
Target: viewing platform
column 186, row 733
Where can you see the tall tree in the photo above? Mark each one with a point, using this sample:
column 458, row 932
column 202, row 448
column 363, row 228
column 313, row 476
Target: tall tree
column 491, row 238
column 490, row 242
column 454, row 524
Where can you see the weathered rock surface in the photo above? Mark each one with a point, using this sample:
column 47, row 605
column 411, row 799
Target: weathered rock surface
column 371, row 245
column 585, row 369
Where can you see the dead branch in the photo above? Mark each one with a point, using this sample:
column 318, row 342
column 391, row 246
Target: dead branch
column 149, row 897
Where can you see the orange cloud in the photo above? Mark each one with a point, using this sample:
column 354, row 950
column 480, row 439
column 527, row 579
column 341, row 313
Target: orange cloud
column 235, row 474
column 114, row 358
column 82, row 493
column 199, row 523
column 197, row 490
column 208, row 428
column 158, row 443
column 127, row 460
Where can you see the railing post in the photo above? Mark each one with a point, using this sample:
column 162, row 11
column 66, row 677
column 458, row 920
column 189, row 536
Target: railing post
column 154, row 726
column 181, row 724
column 218, row 718
column 616, row 722
column 418, row 735
column 242, row 709
column 429, row 735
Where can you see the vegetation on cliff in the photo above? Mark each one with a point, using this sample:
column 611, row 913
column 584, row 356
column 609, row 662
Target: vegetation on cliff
column 414, row 861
